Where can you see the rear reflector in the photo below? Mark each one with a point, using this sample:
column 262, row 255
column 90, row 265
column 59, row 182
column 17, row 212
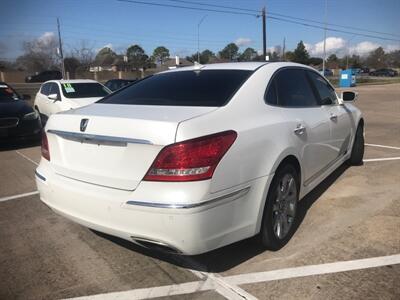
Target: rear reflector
column 191, row 160
column 45, row 146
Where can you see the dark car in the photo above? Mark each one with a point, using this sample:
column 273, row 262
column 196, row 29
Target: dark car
column 18, row 120
column 384, row 72
column 327, row 72
column 44, row 76
column 116, row 84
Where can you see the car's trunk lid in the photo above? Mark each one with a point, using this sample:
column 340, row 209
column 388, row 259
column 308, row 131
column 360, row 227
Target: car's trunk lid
column 118, row 144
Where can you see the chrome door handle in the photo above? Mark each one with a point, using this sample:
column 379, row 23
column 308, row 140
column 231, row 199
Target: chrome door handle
column 299, row 130
column 333, row 117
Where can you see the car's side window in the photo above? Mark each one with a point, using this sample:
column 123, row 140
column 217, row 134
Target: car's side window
column 325, row 91
column 45, row 90
column 270, row 96
column 294, row 89
column 55, row 90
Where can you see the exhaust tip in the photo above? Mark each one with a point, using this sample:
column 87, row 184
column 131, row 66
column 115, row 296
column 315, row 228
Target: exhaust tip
column 155, row 245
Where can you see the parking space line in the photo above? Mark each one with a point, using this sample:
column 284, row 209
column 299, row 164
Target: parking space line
column 27, row 158
column 19, row 196
column 381, row 159
column 311, row 270
column 383, row 146
column 211, row 284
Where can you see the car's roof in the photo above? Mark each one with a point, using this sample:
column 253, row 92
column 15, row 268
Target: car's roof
column 72, row 81
column 250, row 66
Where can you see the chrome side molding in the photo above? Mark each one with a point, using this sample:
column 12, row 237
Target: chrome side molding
column 233, row 195
column 98, row 139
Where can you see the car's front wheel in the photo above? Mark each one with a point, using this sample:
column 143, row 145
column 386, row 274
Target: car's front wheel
column 357, row 152
column 280, row 210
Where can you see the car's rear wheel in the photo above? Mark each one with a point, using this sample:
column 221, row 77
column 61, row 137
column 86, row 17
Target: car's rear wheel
column 280, row 210
column 357, row 152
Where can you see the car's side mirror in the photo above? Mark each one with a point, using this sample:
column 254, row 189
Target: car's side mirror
column 348, row 96
column 54, row 97
column 26, row 97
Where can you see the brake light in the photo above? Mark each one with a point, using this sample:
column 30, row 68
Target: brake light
column 191, row 160
column 45, row 147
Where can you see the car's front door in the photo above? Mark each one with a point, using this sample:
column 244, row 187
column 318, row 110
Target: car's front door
column 339, row 116
column 307, row 122
column 55, row 105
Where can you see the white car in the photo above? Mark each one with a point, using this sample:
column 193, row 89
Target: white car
column 195, row 158
column 59, row 95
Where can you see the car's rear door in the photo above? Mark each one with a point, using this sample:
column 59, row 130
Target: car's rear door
column 340, row 118
column 306, row 122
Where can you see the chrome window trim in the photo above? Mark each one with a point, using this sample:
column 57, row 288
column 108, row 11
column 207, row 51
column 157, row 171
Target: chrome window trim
column 98, row 139
column 236, row 195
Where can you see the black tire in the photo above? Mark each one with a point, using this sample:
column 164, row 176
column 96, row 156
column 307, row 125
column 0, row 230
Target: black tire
column 357, row 152
column 268, row 236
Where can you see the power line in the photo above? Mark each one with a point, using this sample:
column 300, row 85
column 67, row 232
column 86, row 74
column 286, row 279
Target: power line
column 270, row 16
column 332, row 29
column 286, row 16
column 188, row 7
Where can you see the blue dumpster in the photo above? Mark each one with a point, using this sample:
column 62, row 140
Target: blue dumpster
column 347, row 78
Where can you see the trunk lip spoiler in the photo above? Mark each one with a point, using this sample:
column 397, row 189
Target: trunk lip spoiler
column 98, row 139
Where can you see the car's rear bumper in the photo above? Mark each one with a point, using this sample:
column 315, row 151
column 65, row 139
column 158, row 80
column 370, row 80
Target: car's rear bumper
column 203, row 225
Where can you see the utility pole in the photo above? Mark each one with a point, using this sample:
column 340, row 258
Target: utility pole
column 198, row 38
column 60, row 49
column 326, row 17
column 264, row 34
column 283, row 49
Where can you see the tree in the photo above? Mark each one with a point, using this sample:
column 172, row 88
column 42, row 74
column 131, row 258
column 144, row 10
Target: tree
column 393, row 59
column 160, row 54
column 137, row 57
column 229, row 52
column 300, row 54
column 205, row 56
column 289, row 56
column 332, row 61
column 249, row 54
column 315, row 61
column 377, row 58
column 71, row 64
column 85, row 54
column 39, row 54
column 105, row 57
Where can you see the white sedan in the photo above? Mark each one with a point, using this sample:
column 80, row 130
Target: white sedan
column 59, row 95
column 195, row 158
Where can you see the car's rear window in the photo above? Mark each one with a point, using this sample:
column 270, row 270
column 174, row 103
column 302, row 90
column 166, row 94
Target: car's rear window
column 183, row 88
column 84, row 90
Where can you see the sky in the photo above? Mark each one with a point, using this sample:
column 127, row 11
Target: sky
column 120, row 24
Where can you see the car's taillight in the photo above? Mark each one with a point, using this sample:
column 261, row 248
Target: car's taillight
column 45, row 147
column 191, row 160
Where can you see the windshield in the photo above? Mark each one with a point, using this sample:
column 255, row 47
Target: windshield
column 7, row 93
column 183, row 88
column 84, row 90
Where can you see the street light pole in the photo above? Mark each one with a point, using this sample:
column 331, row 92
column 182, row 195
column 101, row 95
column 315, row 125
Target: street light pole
column 60, row 49
column 326, row 16
column 198, row 38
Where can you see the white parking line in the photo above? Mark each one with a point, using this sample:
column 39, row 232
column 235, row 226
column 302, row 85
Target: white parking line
column 210, row 284
column 383, row 146
column 27, row 158
column 381, row 159
column 342, row 266
column 19, row 196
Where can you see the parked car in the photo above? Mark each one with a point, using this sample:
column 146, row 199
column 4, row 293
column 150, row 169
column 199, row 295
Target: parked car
column 327, row 72
column 364, row 71
column 59, row 95
column 384, row 72
column 44, row 76
column 195, row 158
column 116, row 84
column 17, row 119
